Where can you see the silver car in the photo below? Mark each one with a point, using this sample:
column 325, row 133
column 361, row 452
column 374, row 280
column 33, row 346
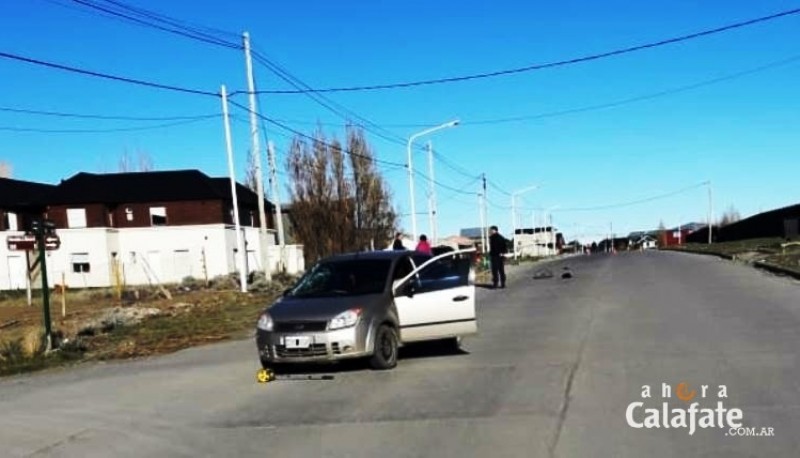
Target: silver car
column 366, row 305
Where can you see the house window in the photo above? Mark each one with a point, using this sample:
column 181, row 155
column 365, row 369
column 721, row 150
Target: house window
column 76, row 218
column 80, row 263
column 10, row 221
column 158, row 216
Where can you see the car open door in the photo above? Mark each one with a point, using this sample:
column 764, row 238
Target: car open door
column 437, row 299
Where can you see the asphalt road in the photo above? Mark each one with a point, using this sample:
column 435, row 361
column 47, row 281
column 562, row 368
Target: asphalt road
column 555, row 366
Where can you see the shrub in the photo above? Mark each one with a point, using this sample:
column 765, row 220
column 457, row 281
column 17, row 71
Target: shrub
column 192, row 283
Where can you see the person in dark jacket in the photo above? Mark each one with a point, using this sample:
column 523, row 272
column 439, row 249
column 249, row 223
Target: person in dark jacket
column 497, row 248
column 398, row 242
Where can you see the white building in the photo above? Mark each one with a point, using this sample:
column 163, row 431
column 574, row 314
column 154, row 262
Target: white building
column 537, row 242
column 147, row 228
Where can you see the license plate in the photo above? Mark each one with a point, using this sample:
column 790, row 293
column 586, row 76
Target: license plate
column 297, row 341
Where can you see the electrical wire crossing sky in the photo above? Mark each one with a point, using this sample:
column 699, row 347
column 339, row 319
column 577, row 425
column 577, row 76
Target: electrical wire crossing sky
column 623, row 112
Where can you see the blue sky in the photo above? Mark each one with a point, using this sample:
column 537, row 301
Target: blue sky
column 742, row 134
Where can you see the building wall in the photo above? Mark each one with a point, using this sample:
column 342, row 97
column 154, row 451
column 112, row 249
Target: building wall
column 96, row 215
column 147, row 255
column 534, row 244
column 178, row 213
column 181, row 213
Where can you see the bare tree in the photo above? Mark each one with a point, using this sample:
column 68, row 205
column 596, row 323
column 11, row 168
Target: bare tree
column 250, row 172
column 730, row 216
column 5, row 169
column 337, row 205
column 141, row 163
column 375, row 219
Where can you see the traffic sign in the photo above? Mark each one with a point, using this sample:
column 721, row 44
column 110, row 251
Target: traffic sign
column 28, row 242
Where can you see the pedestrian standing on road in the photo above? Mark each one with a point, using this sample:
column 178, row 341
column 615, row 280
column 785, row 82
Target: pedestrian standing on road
column 497, row 249
column 398, row 243
column 423, row 246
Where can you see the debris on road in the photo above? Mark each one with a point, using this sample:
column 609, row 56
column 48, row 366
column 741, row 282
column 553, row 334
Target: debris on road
column 268, row 375
column 567, row 274
column 542, row 274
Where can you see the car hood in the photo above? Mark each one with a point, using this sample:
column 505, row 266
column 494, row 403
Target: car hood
column 320, row 308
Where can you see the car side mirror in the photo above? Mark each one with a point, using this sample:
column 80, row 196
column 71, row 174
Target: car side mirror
column 410, row 289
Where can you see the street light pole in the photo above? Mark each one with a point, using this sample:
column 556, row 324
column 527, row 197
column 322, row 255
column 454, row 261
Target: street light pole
column 411, row 170
column 432, row 207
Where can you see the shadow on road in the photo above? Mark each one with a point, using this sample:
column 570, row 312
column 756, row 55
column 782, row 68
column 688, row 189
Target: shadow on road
column 436, row 349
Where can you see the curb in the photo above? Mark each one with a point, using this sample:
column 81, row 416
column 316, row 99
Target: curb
column 728, row 257
column 778, row 270
column 772, row 268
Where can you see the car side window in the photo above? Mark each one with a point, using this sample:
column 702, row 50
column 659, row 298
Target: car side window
column 402, row 269
column 445, row 273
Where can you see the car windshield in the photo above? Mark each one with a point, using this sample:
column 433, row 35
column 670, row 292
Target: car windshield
column 344, row 278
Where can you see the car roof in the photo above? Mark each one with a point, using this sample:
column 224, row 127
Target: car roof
column 370, row 255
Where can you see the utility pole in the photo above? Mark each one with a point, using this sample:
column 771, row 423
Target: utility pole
column 611, row 237
column 256, row 150
column 432, row 197
column 485, row 214
column 483, row 222
column 710, row 213
column 276, row 197
column 231, row 172
column 514, row 223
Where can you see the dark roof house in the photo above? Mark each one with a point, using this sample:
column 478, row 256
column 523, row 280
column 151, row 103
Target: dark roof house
column 23, row 194
column 166, row 186
column 176, row 197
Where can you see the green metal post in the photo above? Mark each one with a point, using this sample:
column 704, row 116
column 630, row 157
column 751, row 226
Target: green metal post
column 45, row 287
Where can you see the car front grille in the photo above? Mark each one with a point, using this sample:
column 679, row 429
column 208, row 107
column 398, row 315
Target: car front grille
column 301, row 326
column 311, row 351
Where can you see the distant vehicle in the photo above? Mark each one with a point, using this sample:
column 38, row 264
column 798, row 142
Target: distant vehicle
column 366, row 305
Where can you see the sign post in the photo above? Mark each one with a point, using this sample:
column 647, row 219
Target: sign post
column 42, row 240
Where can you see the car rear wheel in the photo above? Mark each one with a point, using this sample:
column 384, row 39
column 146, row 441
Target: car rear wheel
column 385, row 354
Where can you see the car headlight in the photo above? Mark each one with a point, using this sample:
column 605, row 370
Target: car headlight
column 345, row 319
column 265, row 322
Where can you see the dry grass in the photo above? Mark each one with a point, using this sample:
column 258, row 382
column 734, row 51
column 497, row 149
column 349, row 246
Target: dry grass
column 768, row 250
column 192, row 317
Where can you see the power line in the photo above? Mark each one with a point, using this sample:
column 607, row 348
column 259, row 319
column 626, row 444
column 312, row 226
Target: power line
column 107, row 76
column 560, row 63
column 588, row 108
column 332, row 106
column 173, row 21
column 309, row 137
column 635, row 99
column 497, row 188
column 282, row 73
column 633, row 202
column 97, row 131
column 105, row 117
column 169, row 28
column 180, row 28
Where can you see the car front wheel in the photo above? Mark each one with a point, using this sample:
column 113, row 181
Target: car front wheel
column 385, row 354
